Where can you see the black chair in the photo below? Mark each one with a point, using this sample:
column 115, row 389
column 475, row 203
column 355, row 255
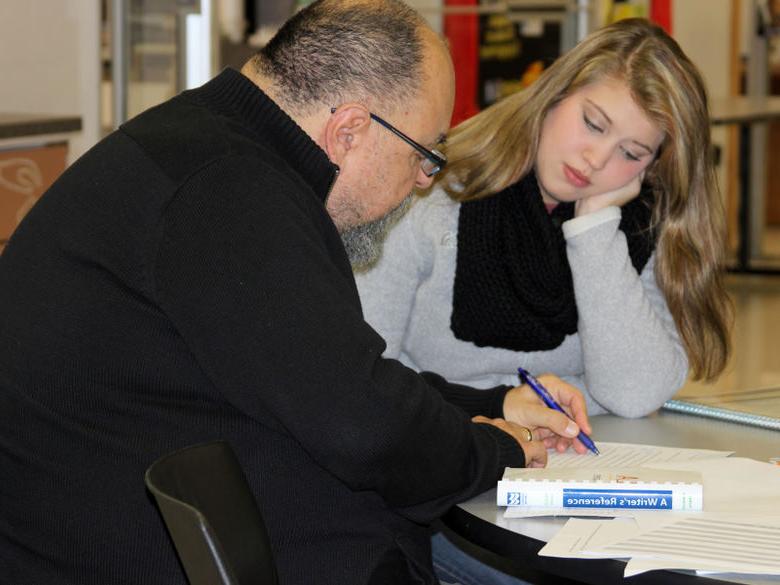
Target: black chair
column 212, row 516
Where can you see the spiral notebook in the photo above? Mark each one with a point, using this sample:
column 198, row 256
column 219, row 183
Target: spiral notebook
column 758, row 408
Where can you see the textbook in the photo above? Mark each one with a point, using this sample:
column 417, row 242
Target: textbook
column 637, row 488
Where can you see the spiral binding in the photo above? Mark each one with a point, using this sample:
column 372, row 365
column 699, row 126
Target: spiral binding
column 745, row 418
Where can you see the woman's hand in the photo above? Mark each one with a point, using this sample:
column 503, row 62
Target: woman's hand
column 523, row 407
column 535, row 451
column 619, row 197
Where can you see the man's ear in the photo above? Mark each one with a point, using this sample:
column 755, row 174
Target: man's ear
column 345, row 131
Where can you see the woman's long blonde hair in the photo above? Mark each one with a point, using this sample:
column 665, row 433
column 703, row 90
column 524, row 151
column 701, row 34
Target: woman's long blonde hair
column 498, row 146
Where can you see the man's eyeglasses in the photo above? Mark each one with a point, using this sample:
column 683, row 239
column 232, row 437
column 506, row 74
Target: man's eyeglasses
column 433, row 160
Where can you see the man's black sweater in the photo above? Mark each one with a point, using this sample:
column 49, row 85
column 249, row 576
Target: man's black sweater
column 183, row 282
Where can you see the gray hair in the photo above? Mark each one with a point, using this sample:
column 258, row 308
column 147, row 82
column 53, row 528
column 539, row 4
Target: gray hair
column 334, row 50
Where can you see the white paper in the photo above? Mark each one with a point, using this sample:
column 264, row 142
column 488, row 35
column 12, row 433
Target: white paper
column 629, row 455
column 738, row 531
column 726, row 544
column 746, row 545
column 736, row 485
column 579, row 535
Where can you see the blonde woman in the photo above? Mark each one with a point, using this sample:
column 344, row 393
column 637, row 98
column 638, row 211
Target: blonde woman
column 577, row 230
column 539, row 249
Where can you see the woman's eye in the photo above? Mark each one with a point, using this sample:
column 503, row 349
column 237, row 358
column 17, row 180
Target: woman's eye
column 630, row 156
column 591, row 125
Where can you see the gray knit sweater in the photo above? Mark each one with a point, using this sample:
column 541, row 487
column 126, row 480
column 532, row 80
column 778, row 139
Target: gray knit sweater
column 626, row 355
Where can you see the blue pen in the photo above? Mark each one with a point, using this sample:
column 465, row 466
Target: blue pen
column 542, row 392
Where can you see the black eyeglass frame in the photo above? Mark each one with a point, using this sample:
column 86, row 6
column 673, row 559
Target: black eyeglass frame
column 435, row 157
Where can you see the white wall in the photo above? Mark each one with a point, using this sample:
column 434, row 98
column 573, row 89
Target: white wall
column 703, row 30
column 431, row 10
column 50, row 62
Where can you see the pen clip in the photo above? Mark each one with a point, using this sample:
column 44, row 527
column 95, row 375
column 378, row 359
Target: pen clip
column 527, row 378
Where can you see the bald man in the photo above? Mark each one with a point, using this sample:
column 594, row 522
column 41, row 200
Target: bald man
column 190, row 279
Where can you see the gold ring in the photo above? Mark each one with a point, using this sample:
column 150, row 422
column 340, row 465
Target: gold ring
column 528, row 435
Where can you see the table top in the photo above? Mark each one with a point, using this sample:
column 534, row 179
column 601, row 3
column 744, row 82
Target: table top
column 739, row 109
column 16, row 125
column 482, row 522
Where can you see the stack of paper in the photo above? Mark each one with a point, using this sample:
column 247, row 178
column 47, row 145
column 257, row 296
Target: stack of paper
column 738, row 530
column 703, row 543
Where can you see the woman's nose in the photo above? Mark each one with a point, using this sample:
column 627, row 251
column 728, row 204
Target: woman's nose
column 596, row 156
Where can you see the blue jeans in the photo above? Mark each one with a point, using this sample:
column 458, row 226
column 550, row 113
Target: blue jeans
column 452, row 565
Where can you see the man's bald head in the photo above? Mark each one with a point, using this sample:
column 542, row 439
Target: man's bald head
column 338, row 50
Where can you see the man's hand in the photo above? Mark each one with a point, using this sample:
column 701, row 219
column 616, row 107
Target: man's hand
column 523, row 407
column 535, row 451
column 619, row 197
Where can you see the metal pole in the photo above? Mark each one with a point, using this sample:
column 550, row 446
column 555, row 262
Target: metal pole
column 583, row 19
column 120, row 52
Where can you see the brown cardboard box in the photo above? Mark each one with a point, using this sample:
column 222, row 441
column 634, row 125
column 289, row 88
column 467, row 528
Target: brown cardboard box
column 24, row 175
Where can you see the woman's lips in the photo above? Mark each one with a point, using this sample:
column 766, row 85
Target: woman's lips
column 575, row 177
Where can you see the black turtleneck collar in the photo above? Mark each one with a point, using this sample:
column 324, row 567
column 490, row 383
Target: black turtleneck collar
column 233, row 94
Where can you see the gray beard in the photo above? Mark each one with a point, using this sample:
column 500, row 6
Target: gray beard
column 364, row 242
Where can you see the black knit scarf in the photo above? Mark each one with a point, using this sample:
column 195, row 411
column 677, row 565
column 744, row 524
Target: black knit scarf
column 513, row 285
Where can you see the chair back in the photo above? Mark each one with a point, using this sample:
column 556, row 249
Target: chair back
column 212, row 516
